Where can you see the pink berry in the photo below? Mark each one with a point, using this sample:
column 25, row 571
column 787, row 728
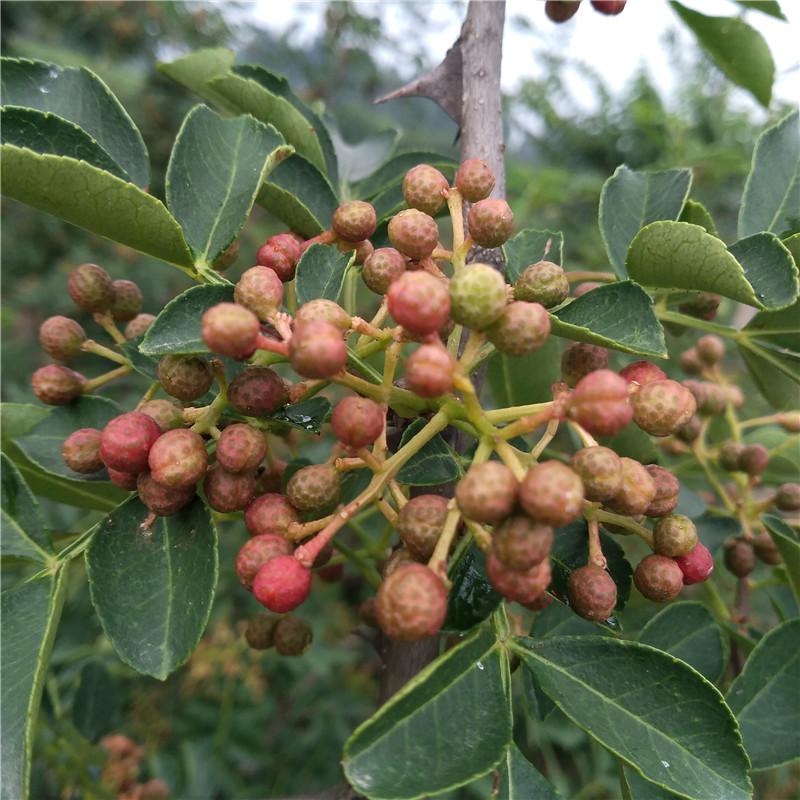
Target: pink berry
column 322, row 310
column 61, row 338
column 522, row 586
column 317, row 350
column 697, row 565
column 520, row 542
column 600, row 470
column 429, row 371
column 521, row 329
column 641, row 372
column 255, row 552
column 490, row 222
column 257, row 392
column 126, row 441
column 414, row 233
column 227, row 491
column 420, row 522
column 126, row 303
column 241, row 448
column 636, row 492
column 592, row 593
column 56, row 385
column 163, row 501
column 551, row 493
column 419, row 302
column 178, row 459
column 581, row 359
column 81, row 451
column 261, row 291
column 229, row 329
column 488, row 492
column 270, row 513
column 90, row 288
column 424, row 188
column 282, row 584
column 658, row 578
column 411, row 604
column 600, row 404
column 354, row 221
column 357, row 422
column 661, row 408
column 381, row 268
column 667, row 489
column 138, row 326
column 186, row 377
column 314, row 487
column 475, row 180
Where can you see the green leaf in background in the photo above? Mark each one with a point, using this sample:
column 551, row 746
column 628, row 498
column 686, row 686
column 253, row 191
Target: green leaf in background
column 528, row 247
column 525, row 380
column 769, row 7
column 25, row 534
column 695, row 214
column 737, row 49
column 194, row 70
column 307, row 416
column 299, row 195
column 677, row 255
column 789, row 548
column 632, row 442
column 69, row 189
column 771, row 199
column 615, row 315
column 80, row 97
column 215, row 170
column 472, row 598
column 635, row 787
column 358, row 160
column 792, row 244
column 47, row 133
column 320, row 273
column 449, row 724
column 153, row 587
column 630, row 200
column 776, row 374
column 30, row 613
column 558, row 620
column 144, row 365
column 432, row 465
column 42, row 443
column 656, row 713
column 177, row 328
column 96, row 702
column 766, row 698
column 688, row 631
column 393, row 171
column 520, row 780
column 780, row 328
column 18, row 419
column 388, row 203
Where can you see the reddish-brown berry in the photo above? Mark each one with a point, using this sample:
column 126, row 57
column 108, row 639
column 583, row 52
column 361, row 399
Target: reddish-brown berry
column 667, row 489
column 609, row 7
column 429, row 371
column 138, row 326
column 270, row 513
column 126, row 441
column 703, row 306
column 581, row 359
column 322, row 310
column 490, row 223
column 317, row 350
column 674, row 535
column 241, row 448
column 689, row 361
column 710, row 349
column 127, row 301
column 81, row 451
column 292, row 636
column 227, row 491
column 488, row 492
column 420, row 523
column 257, row 392
column 592, row 593
column 61, row 338
column 314, row 487
column 357, row 422
column 636, row 491
column 227, row 257
column 521, row 329
column 765, row 549
column 281, row 254
column 697, row 565
column 424, row 188
column 661, row 408
column 641, row 372
column 414, row 233
column 561, row 10
column 543, row 282
column 754, row 459
column 163, row 501
column 419, row 302
column 282, row 584
column 56, row 385
column 259, row 290
column 90, row 288
column 178, row 458
column 787, row 498
column 477, row 296
column 658, row 578
column 229, row 329
column 516, row 585
column 600, row 470
column 600, row 404
column 255, row 552
column 740, row 557
column 354, row 221
column 411, row 604
column 520, row 542
column 260, row 631
column 551, row 493
column 475, row 180
column 381, row 268
column 187, row 377
column 124, row 480
column 164, row 412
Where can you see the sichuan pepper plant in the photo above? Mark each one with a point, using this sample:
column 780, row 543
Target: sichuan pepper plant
column 368, row 323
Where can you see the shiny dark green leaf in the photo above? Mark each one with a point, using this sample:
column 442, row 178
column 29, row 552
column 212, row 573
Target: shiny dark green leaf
column 394, row 170
column 525, row 380
column 144, row 365
column 25, row 534
column 472, row 598
column 96, row 701
column 528, row 247
column 520, row 780
column 635, row 787
column 320, row 273
column 789, row 548
column 778, row 328
column 307, row 416
column 432, row 464
column 775, row 373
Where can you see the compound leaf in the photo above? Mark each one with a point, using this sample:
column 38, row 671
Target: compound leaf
column 25, row 534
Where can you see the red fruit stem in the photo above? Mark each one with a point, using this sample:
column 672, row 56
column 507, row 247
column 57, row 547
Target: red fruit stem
column 272, row 345
column 596, row 556
column 282, row 322
column 326, row 237
column 297, row 531
column 101, row 380
column 106, row 322
column 90, row 346
column 438, row 560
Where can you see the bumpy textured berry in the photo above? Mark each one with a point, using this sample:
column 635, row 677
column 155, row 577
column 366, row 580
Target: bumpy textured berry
column 124, row 480
column 260, row 630
column 362, row 250
column 322, row 310
column 661, row 408
column 56, row 385
column 520, row 542
column 521, row 329
column 381, row 268
column 229, row 329
column 411, row 604
column 709, row 397
column 551, row 493
column 429, row 371
column 164, row 412
column 178, row 459
column 126, row 441
column 636, row 491
column 424, row 188
column 600, row 471
column 419, row 302
column 543, row 282
column 61, row 338
column 314, row 487
column 357, row 422
column 475, row 180
column 667, row 489
column 81, row 451
column 354, row 221
column 420, row 523
column 754, row 459
column 317, row 350
column 162, row 500
column 787, row 497
column 241, row 448
column 734, row 396
column 477, row 296
column 729, row 455
column 488, row 492
column 592, row 593
column 609, row 7
column 641, row 372
column 766, row 549
column 414, row 233
column 281, row 254
column 398, row 557
column 127, row 301
column 257, row 392
column 674, row 535
column 690, row 431
column 292, row 636
column 703, row 306
column 186, row 377
column 259, row 290
column 710, row 349
column 581, row 359
column 600, row 404
column 658, row 578
column 138, row 326
column 518, row 585
column 90, row 288
column 490, row 223
column 740, row 558
column 561, row 10
column 270, row 513
column 697, row 566
column 255, row 552
column 689, row 361
column 227, row 491
column 282, row 584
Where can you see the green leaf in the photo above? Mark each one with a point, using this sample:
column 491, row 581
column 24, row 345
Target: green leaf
column 362, row 158
column 771, row 199
column 153, row 587
column 789, row 548
column 635, row 787
column 299, row 195
column 520, row 780
column 769, row 7
column 689, row 632
column 656, row 713
column 214, row 174
column 96, row 700
column 766, row 698
column 615, row 315
column 677, row 255
column 472, row 598
column 42, row 443
column 779, row 328
column 25, row 534
column 144, row 365
column 30, row 613
column 47, row 133
column 320, row 273
column 695, row 214
column 525, row 380
column 432, row 465
column 528, row 247
column 448, row 725
column 775, row 374
column 195, row 69
column 630, row 200
column 632, row 442
column 393, row 171
column 70, row 189
column 737, row 49
column 307, row 416
column 177, row 329
column 558, row 620
column 80, row 97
